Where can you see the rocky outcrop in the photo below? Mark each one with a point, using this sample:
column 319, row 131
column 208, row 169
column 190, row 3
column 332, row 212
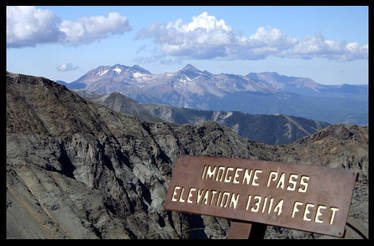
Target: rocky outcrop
column 337, row 146
column 76, row 169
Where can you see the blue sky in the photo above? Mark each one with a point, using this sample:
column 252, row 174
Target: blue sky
column 327, row 44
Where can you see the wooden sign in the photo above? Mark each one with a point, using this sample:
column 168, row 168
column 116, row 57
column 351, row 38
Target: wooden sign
column 302, row 197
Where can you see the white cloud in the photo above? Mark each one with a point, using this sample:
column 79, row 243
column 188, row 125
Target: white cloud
column 203, row 38
column 264, row 42
column 89, row 29
column 318, row 46
column 29, row 26
column 272, row 37
column 67, row 67
column 206, row 37
column 204, row 21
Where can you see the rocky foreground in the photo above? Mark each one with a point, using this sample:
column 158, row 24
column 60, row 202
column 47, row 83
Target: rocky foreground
column 76, row 169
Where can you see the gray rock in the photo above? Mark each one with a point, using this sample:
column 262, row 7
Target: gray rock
column 76, row 169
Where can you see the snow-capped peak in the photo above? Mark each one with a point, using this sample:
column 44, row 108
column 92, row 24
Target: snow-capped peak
column 117, row 70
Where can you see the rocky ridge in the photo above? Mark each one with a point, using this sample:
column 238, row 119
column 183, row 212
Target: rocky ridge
column 269, row 129
column 76, row 169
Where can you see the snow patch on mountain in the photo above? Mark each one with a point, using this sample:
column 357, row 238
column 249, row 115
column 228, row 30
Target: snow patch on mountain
column 185, row 79
column 117, row 70
column 227, row 115
column 216, row 114
column 138, row 75
column 102, row 72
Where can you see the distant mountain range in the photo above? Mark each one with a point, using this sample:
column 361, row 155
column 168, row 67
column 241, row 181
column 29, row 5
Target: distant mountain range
column 255, row 93
column 268, row 129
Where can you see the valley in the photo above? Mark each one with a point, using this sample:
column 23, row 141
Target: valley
column 269, row 129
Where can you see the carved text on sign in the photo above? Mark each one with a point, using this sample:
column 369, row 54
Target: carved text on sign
column 295, row 196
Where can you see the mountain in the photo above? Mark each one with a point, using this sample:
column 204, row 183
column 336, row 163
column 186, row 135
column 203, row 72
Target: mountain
column 286, row 83
column 269, row 129
column 308, row 87
column 122, row 104
column 255, row 93
column 177, row 88
column 61, row 82
column 190, row 71
column 77, row 169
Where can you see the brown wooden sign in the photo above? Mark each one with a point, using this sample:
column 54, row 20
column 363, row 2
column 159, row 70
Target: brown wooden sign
column 308, row 198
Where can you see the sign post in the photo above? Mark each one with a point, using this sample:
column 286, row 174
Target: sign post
column 246, row 230
column 255, row 193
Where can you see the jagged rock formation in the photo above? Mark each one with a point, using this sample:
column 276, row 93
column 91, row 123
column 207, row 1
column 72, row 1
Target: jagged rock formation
column 76, row 169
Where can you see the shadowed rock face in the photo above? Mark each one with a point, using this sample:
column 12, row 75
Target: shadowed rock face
column 76, row 169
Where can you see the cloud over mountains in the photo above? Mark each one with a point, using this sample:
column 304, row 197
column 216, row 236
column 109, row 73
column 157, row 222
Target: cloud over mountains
column 29, row 26
column 318, row 46
column 206, row 37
